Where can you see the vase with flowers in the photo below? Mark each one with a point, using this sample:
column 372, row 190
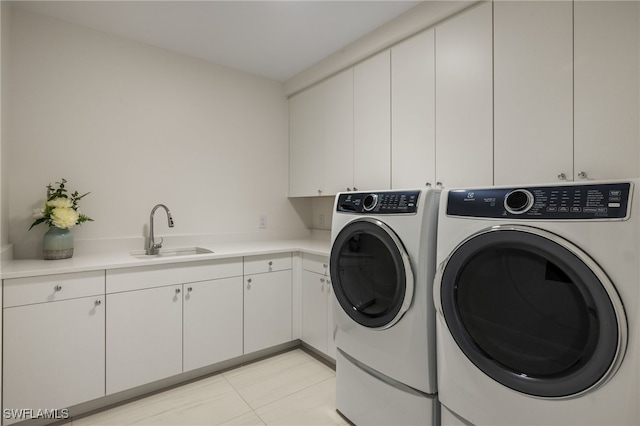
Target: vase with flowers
column 60, row 212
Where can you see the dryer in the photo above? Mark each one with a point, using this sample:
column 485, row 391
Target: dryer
column 537, row 298
column 382, row 266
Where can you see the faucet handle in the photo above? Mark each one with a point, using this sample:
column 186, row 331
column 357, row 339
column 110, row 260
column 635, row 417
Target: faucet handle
column 159, row 245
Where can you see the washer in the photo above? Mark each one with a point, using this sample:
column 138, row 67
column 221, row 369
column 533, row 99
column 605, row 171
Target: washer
column 537, row 299
column 382, row 267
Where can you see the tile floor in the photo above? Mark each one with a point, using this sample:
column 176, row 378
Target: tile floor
column 292, row 388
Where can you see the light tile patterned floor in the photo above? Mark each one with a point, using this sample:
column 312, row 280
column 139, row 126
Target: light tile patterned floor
column 292, row 388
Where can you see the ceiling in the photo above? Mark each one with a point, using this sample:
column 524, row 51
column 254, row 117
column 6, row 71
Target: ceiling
column 274, row 39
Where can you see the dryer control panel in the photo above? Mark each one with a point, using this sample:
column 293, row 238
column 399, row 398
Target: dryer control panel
column 577, row 201
column 384, row 202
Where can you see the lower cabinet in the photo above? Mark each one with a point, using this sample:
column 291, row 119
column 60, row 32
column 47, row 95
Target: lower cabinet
column 72, row 338
column 144, row 336
column 167, row 319
column 268, row 311
column 53, row 343
column 317, row 317
column 315, row 310
column 212, row 322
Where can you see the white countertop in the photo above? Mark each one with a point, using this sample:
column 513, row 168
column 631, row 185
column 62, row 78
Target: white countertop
column 122, row 259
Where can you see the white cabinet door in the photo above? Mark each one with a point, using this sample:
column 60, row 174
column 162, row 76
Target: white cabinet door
column 372, row 123
column 331, row 327
column 315, row 310
column 306, row 143
column 338, row 133
column 212, row 322
column 607, row 89
column 53, row 354
column 267, row 310
column 533, row 89
column 413, row 113
column 464, row 99
column 144, row 336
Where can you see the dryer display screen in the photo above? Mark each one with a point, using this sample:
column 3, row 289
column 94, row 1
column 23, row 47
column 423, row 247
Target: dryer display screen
column 580, row 201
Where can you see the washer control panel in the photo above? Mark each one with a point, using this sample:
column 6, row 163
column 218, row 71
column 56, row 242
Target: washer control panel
column 384, row 202
column 578, row 201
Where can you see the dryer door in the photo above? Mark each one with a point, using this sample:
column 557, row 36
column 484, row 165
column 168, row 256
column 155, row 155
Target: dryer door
column 371, row 273
column 533, row 311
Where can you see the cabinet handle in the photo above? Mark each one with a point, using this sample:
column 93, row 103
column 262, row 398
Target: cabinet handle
column 177, row 291
column 270, row 263
column 322, row 280
column 98, row 302
column 439, row 184
column 355, row 189
column 562, row 176
column 582, row 175
column 58, row 287
column 348, row 189
column 319, row 191
column 325, row 266
column 190, row 289
column 249, row 284
column 428, row 184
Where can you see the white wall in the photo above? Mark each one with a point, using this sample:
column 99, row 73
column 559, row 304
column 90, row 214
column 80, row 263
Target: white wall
column 136, row 126
column 4, row 44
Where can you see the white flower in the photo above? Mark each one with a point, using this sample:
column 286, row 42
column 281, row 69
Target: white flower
column 60, row 202
column 38, row 213
column 64, row 217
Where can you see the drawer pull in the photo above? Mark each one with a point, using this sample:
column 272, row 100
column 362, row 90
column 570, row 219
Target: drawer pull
column 270, row 263
column 98, row 302
column 58, row 287
column 190, row 289
column 177, row 291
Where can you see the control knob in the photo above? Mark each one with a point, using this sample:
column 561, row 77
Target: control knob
column 518, row 201
column 370, row 202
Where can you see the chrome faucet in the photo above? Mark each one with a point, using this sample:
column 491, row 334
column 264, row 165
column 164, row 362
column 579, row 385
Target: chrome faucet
column 152, row 247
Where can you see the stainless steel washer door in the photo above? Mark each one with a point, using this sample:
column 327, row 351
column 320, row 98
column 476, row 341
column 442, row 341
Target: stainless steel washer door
column 532, row 311
column 371, row 273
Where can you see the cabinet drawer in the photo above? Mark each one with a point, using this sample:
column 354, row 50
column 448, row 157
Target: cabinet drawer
column 142, row 277
column 267, row 263
column 49, row 288
column 315, row 263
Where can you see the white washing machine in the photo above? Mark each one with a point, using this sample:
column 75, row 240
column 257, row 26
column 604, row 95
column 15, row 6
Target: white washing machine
column 537, row 296
column 382, row 267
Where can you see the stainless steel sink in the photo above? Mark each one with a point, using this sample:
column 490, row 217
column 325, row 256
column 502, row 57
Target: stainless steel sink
column 171, row 252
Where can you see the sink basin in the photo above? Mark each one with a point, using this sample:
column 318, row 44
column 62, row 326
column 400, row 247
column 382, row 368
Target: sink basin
column 171, row 252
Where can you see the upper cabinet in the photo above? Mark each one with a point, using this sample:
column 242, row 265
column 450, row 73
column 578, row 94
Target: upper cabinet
column 372, row 123
column 464, row 99
column 607, row 89
column 505, row 93
column 413, row 106
column 306, row 143
column 321, row 138
column 567, row 92
column 533, row 91
column 338, row 133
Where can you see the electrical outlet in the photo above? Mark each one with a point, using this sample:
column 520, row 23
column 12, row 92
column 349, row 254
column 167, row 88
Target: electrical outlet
column 321, row 221
column 263, row 221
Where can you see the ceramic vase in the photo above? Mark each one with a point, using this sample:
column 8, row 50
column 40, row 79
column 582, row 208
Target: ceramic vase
column 57, row 244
